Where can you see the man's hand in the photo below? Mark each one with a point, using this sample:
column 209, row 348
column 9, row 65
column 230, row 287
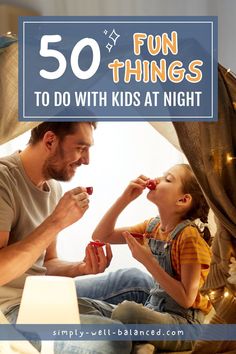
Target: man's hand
column 71, row 207
column 96, row 260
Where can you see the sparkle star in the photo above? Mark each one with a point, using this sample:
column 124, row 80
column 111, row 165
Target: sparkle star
column 109, row 46
column 114, row 36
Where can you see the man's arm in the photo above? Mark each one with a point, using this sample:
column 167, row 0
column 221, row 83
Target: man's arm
column 17, row 258
column 95, row 261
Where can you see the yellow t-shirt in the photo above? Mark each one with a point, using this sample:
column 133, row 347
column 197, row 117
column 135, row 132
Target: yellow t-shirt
column 187, row 248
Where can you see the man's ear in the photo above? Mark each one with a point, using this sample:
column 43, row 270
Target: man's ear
column 185, row 200
column 49, row 140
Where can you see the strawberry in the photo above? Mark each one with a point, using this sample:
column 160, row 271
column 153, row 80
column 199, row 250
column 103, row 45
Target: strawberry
column 137, row 235
column 97, row 243
column 89, row 190
column 151, row 184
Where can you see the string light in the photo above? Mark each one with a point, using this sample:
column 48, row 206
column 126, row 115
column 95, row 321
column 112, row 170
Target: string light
column 10, row 34
column 211, row 295
column 230, row 158
column 226, row 293
column 217, row 295
column 229, row 71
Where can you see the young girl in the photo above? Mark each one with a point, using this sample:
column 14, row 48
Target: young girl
column 174, row 251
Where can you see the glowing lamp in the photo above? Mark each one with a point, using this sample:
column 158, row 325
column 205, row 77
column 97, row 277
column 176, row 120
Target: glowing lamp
column 48, row 300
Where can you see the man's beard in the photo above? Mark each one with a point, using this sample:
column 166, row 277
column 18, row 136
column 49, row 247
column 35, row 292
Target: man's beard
column 51, row 170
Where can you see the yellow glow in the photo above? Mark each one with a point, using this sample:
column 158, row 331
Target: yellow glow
column 226, row 294
column 229, row 158
column 211, row 295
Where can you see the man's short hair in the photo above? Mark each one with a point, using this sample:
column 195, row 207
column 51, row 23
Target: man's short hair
column 60, row 129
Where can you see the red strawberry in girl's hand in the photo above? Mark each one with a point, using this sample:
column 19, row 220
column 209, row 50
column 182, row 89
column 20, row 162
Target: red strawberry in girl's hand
column 151, row 184
column 89, row 190
column 139, row 237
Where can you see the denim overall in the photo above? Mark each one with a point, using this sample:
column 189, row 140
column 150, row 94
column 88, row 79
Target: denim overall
column 158, row 299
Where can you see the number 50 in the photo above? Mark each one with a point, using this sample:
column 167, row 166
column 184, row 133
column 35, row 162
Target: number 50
column 80, row 74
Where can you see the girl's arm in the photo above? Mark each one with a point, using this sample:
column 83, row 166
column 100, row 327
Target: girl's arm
column 184, row 292
column 105, row 230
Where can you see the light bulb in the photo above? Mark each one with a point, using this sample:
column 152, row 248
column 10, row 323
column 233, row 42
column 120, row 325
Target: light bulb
column 229, row 158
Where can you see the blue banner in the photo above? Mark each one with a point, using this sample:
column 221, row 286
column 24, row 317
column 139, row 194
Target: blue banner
column 118, row 68
column 134, row 332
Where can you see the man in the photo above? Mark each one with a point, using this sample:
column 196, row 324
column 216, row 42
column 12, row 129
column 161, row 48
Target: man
column 33, row 212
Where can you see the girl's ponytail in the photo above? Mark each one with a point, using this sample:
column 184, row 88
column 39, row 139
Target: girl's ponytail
column 199, row 208
column 205, row 231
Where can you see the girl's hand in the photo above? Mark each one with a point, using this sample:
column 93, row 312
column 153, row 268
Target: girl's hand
column 141, row 252
column 135, row 188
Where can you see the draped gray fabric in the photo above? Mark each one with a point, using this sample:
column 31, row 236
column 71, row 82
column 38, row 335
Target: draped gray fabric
column 10, row 127
column 207, row 147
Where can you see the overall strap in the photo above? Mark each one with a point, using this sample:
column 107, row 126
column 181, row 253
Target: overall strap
column 152, row 224
column 180, row 227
